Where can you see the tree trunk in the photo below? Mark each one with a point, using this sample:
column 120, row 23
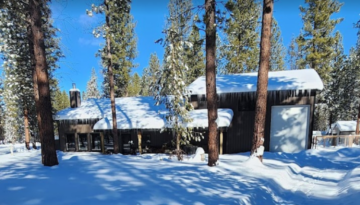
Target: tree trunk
column 26, row 127
column 35, row 84
column 111, row 81
column 211, row 96
column 357, row 126
column 262, row 84
column 178, row 135
column 46, row 125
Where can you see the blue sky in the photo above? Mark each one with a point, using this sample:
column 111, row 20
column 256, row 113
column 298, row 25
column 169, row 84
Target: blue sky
column 80, row 47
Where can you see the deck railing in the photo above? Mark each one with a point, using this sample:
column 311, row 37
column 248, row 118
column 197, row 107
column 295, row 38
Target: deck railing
column 335, row 140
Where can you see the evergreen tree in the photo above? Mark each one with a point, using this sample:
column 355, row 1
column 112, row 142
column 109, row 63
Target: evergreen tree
column 123, row 45
column 65, row 100
column 135, row 85
column 18, row 52
column 149, row 75
column 171, row 77
column 317, row 39
column 242, row 54
column 211, row 96
column 92, row 86
column 195, row 59
column 83, row 95
column 292, row 55
column 117, row 54
column 262, row 81
column 277, row 48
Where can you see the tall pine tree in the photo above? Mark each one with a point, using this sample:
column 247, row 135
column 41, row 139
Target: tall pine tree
column 149, row 75
column 317, row 39
column 195, row 59
column 117, row 54
column 134, row 86
column 262, row 81
column 242, row 52
column 170, row 88
column 277, row 48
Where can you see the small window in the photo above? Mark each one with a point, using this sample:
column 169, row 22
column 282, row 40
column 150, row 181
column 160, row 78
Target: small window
column 95, row 142
column 70, row 142
column 108, row 139
column 83, row 142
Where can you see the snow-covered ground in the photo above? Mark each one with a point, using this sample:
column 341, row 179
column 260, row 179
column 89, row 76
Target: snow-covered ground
column 322, row 176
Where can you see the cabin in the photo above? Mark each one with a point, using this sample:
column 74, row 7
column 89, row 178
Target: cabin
column 86, row 126
column 141, row 125
column 343, row 128
column 290, row 108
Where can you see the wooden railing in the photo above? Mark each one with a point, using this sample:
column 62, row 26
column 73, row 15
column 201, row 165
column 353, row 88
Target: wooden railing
column 335, row 140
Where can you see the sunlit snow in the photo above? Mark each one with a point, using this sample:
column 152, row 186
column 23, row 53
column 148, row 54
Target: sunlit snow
column 306, row 79
column 322, row 176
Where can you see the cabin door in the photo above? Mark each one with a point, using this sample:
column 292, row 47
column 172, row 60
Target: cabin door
column 289, row 129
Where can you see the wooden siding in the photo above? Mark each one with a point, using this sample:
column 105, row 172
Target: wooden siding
column 240, row 133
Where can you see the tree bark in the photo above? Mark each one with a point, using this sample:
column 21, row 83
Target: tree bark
column 357, row 126
column 111, row 80
column 211, row 96
column 262, row 84
column 26, row 129
column 48, row 152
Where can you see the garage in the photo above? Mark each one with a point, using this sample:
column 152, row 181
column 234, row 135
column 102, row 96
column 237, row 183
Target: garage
column 289, row 128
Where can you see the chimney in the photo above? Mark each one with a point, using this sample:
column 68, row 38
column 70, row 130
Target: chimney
column 75, row 99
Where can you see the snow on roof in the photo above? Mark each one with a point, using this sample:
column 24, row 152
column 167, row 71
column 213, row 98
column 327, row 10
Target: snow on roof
column 156, row 120
column 135, row 113
column 306, row 79
column 344, row 126
column 101, row 108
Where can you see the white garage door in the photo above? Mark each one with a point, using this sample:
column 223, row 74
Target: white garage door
column 289, row 128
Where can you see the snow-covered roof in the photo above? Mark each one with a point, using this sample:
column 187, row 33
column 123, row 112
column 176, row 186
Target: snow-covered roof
column 134, row 113
column 306, row 79
column 151, row 120
column 344, row 126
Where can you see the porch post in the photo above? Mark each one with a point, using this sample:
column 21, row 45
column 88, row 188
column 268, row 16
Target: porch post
column 102, row 142
column 139, row 141
column 221, row 141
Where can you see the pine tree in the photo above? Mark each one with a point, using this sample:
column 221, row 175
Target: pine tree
column 356, row 63
column 149, row 75
column 277, row 48
column 134, row 86
column 118, row 52
column 292, row 55
column 262, row 82
column 211, row 96
column 195, row 59
column 170, row 88
column 242, row 53
column 316, row 39
column 123, row 45
column 92, row 86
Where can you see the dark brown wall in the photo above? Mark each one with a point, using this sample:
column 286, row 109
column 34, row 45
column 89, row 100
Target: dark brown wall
column 73, row 127
column 240, row 133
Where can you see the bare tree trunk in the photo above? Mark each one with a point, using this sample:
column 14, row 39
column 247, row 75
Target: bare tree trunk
column 262, row 84
column 111, row 81
column 35, row 84
column 178, row 135
column 357, row 126
column 211, row 96
column 26, row 127
column 48, row 152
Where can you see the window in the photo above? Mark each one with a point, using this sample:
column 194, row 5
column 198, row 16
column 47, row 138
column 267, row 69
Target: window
column 83, row 142
column 108, row 139
column 95, row 142
column 70, row 142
